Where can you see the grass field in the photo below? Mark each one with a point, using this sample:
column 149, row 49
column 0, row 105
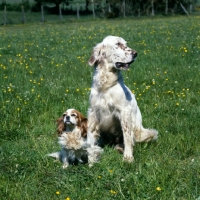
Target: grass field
column 44, row 71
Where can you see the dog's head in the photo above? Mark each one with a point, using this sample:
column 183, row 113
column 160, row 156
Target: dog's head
column 70, row 119
column 114, row 51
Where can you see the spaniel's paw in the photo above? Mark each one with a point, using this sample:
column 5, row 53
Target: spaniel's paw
column 65, row 165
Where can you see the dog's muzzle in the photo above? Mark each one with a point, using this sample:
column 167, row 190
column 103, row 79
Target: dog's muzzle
column 67, row 120
column 124, row 66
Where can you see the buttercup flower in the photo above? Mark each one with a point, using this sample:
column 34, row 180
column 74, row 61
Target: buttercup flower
column 113, row 192
column 158, row 189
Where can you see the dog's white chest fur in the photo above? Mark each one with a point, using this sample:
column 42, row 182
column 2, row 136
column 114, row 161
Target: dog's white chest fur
column 108, row 104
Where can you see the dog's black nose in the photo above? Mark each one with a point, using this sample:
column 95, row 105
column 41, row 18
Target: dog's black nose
column 134, row 54
column 67, row 118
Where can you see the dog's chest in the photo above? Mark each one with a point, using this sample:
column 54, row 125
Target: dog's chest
column 105, row 104
column 106, row 112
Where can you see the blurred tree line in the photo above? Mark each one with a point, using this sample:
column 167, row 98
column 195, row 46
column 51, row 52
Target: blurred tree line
column 113, row 8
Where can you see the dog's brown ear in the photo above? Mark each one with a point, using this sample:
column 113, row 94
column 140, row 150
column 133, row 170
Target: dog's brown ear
column 60, row 125
column 96, row 54
column 92, row 59
column 84, row 127
column 82, row 124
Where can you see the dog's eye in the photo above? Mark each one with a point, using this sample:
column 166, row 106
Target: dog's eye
column 73, row 115
column 118, row 44
column 64, row 115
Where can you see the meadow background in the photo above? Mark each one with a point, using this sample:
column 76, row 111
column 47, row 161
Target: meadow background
column 44, row 71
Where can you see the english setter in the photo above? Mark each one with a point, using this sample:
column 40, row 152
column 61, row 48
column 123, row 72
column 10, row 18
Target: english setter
column 114, row 116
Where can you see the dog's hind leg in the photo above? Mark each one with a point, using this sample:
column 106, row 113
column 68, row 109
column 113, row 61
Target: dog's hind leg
column 56, row 155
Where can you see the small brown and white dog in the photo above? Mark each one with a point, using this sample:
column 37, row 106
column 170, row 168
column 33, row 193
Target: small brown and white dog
column 75, row 143
column 114, row 116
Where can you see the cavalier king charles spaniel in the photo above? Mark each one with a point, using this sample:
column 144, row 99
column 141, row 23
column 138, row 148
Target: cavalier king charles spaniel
column 74, row 141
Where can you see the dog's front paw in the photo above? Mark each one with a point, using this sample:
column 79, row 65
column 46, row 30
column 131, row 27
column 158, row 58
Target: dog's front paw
column 128, row 158
column 65, row 165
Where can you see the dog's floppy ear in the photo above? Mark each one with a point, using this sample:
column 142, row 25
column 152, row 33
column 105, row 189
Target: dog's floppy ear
column 82, row 124
column 96, row 54
column 84, row 127
column 60, row 125
column 92, row 59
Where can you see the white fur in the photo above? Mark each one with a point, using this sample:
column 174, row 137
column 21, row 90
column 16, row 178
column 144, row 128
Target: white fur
column 113, row 107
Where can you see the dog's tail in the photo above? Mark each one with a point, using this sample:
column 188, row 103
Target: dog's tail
column 146, row 135
column 56, row 155
column 94, row 154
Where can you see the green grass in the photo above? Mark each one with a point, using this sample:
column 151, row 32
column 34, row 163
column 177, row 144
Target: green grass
column 44, row 71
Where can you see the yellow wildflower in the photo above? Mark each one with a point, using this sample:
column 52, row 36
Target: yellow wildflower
column 158, row 189
column 113, row 192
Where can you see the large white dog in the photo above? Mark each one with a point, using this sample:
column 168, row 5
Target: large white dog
column 114, row 117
